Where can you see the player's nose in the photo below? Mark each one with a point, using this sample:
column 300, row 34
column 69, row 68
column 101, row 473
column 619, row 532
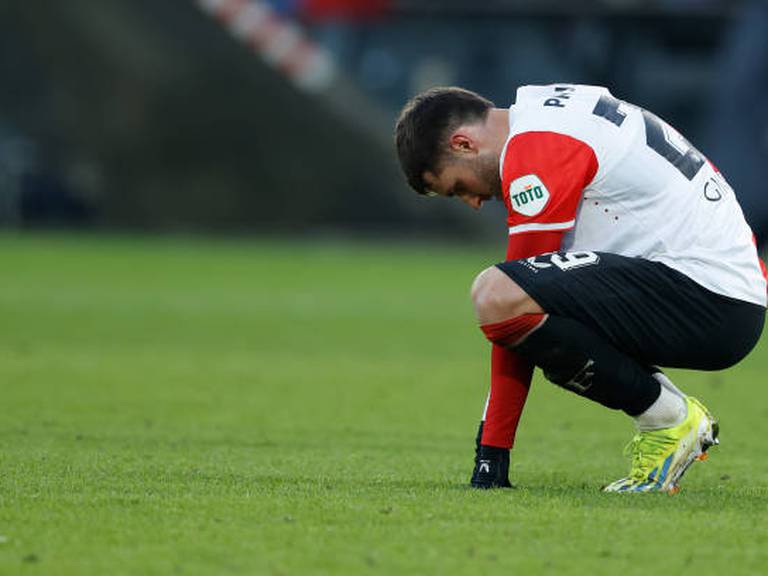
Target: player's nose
column 472, row 200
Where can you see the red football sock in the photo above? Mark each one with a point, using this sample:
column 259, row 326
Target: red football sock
column 510, row 379
column 511, row 332
column 510, row 382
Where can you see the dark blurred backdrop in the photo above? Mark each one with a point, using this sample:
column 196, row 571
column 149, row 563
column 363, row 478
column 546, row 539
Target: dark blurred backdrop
column 253, row 116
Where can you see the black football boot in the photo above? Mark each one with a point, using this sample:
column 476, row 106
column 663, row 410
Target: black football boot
column 491, row 465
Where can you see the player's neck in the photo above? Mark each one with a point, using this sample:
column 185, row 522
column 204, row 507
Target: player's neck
column 497, row 126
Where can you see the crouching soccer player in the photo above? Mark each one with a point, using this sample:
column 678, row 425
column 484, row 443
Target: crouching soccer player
column 627, row 251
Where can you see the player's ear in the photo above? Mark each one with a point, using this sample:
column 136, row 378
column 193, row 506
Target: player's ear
column 462, row 142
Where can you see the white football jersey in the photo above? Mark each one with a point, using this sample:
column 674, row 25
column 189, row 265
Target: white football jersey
column 616, row 178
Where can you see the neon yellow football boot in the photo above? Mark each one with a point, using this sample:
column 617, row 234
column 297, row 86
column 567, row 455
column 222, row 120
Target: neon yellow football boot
column 661, row 457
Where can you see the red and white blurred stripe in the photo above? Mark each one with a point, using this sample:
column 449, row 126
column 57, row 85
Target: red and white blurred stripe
column 279, row 42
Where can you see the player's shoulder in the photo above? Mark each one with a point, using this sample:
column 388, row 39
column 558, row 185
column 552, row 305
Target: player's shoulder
column 558, row 97
column 564, row 108
column 548, row 158
column 552, row 125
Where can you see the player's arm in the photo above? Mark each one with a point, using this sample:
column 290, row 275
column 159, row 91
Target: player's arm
column 562, row 167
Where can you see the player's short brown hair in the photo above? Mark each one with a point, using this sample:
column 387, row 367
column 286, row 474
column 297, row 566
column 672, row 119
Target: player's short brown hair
column 426, row 122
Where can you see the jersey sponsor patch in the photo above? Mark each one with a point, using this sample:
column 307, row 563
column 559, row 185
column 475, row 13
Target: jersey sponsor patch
column 528, row 195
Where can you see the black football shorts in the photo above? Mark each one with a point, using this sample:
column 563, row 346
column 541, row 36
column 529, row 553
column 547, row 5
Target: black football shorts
column 646, row 309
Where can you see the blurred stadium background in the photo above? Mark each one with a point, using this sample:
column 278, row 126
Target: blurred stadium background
column 254, row 116
column 274, row 404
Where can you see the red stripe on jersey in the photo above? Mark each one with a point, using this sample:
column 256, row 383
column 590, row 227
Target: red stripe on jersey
column 564, row 165
column 760, row 261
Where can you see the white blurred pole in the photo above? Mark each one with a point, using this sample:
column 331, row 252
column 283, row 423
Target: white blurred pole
column 282, row 45
column 279, row 42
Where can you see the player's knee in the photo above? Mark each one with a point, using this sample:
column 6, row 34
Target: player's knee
column 497, row 297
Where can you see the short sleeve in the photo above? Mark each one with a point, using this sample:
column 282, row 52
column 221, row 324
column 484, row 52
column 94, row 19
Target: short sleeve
column 543, row 176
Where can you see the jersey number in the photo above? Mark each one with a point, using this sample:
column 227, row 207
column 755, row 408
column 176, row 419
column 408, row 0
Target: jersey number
column 682, row 156
column 565, row 260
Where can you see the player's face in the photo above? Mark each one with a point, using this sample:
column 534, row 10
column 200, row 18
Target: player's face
column 472, row 181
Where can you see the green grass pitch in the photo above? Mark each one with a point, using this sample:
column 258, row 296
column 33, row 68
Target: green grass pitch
column 206, row 407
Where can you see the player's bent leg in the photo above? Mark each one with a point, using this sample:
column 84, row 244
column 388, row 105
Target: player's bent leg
column 576, row 358
column 581, row 352
column 570, row 354
column 497, row 298
column 674, row 430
